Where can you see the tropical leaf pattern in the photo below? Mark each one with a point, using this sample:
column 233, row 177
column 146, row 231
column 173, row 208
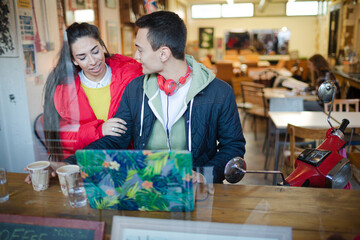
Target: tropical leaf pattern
column 137, row 180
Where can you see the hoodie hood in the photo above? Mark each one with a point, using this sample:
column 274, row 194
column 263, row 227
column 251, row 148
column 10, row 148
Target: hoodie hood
column 201, row 77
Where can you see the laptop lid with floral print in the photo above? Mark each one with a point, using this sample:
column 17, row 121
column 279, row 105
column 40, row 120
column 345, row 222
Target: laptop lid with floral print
column 141, row 180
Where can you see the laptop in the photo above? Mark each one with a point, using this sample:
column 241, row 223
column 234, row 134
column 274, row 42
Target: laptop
column 139, row 180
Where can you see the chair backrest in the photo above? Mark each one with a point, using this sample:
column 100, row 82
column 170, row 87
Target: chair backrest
column 206, row 62
column 281, row 63
column 224, row 71
column 343, row 105
column 236, row 84
column 253, row 93
column 249, row 59
column 294, row 133
column 267, row 77
column 231, row 52
column 293, row 104
column 234, row 58
column 39, row 129
column 50, row 145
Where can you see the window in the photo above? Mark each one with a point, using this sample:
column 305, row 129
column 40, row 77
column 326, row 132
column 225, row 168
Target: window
column 206, row 11
column 237, row 10
column 310, row 8
column 222, row 10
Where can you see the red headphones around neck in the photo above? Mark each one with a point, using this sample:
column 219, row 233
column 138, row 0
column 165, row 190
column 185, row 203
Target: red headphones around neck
column 169, row 86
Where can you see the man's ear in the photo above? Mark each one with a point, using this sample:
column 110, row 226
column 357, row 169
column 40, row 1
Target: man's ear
column 165, row 53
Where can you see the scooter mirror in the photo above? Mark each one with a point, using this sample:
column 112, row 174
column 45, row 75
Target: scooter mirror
column 235, row 170
column 326, row 91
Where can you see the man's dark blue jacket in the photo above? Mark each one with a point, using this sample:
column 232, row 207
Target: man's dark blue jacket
column 216, row 133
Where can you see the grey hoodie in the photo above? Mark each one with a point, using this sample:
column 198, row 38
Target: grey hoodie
column 159, row 139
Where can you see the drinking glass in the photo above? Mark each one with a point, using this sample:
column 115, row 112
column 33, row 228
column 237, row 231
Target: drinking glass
column 76, row 190
column 4, row 193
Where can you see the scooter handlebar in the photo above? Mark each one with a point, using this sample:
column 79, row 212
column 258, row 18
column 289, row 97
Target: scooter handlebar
column 345, row 122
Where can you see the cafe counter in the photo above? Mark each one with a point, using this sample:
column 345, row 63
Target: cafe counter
column 346, row 80
column 310, row 213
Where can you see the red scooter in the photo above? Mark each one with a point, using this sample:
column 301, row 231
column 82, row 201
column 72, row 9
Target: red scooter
column 320, row 167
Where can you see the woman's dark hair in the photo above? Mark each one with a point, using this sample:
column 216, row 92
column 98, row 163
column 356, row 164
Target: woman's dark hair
column 323, row 72
column 63, row 73
column 320, row 66
column 165, row 29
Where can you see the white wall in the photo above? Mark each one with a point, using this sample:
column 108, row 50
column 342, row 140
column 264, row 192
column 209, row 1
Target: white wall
column 18, row 145
column 47, row 22
column 109, row 15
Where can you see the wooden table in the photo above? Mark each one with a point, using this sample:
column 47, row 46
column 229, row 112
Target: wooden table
column 301, row 119
column 353, row 117
column 285, row 93
column 312, row 213
column 254, row 72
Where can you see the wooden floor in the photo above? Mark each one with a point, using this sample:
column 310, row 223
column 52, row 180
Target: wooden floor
column 255, row 158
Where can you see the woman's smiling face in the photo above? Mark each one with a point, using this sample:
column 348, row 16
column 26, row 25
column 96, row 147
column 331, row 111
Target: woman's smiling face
column 89, row 55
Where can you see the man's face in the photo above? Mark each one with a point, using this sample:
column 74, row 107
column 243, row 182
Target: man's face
column 150, row 59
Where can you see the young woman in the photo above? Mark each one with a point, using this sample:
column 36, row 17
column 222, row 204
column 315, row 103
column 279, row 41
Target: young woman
column 83, row 92
column 320, row 70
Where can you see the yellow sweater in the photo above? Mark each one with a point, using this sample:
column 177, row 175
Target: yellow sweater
column 99, row 99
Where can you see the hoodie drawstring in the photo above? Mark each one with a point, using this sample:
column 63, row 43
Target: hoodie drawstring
column 189, row 137
column 142, row 114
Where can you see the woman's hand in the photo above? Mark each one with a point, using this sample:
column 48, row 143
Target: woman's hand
column 114, row 127
column 53, row 167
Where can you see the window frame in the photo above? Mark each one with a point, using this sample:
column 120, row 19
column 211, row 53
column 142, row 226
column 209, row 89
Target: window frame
column 221, row 10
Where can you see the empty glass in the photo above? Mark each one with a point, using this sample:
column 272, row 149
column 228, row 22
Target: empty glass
column 4, row 193
column 76, row 190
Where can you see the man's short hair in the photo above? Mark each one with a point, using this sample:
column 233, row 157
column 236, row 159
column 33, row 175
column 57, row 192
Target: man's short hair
column 165, row 29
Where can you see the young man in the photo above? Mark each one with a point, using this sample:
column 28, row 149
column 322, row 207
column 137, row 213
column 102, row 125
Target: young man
column 195, row 111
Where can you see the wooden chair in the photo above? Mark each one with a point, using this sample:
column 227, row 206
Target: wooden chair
column 254, row 99
column 38, row 128
column 295, row 133
column 231, row 52
column 39, row 132
column 236, row 84
column 347, row 105
column 295, row 104
column 343, row 105
column 354, row 158
column 251, row 60
column 233, row 58
column 225, row 71
column 280, row 105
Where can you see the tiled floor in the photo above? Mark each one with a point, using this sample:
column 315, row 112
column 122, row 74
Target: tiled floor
column 254, row 156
